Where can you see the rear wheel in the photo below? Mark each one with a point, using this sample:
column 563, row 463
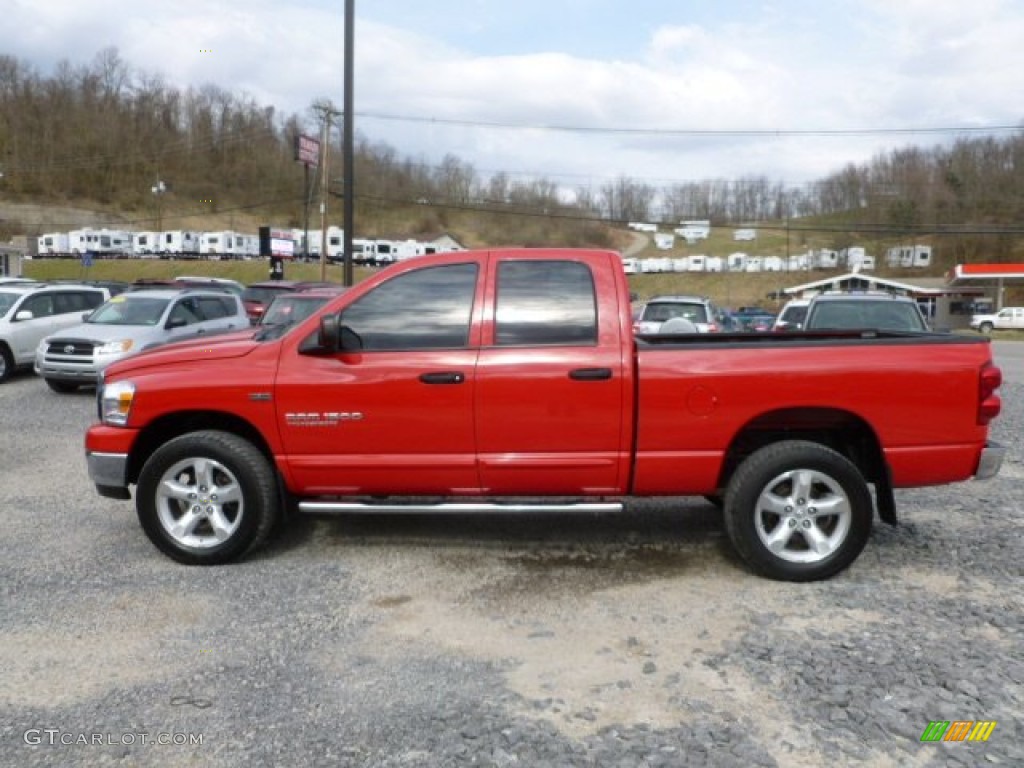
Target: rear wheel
column 798, row 511
column 207, row 498
column 985, row 328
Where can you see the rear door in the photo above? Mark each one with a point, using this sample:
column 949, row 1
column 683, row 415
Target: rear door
column 552, row 386
column 397, row 416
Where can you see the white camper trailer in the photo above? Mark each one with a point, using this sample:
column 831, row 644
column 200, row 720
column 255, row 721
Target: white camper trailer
column 744, row 234
column 145, row 244
column 179, row 242
column 641, row 226
column 825, row 259
column 100, row 241
column 630, row 266
column 909, row 256
column 696, row 263
column 754, row 264
column 664, row 241
column 227, row 244
column 737, row 262
column 714, row 264
column 772, row 264
column 54, row 243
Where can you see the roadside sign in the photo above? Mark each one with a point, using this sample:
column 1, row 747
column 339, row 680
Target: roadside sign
column 87, row 259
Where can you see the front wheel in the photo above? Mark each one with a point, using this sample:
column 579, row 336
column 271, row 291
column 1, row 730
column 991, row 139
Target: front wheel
column 798, row 511
column 6, row 363
column 985, row 328
column 207, row 498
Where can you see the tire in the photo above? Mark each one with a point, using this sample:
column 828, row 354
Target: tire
column 6, row 363
column 798, row 511
column 985, row 328
column 207, row 498
column 62, row 387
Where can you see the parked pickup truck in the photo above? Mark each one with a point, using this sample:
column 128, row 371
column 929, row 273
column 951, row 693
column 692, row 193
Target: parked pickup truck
column 511, row 380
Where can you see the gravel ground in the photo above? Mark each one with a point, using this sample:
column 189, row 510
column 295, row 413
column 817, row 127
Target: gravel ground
column 621, row 640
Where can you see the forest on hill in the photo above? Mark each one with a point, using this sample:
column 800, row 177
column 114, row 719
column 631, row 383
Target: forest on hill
column 105, row 134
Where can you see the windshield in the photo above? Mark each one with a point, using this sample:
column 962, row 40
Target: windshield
column 661, row 311
column 287, row 310
column 883, row 315
column 7, row 301
column 127, row 309
column 794, row 315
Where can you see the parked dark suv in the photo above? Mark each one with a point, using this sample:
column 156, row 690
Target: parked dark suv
column 864, row 311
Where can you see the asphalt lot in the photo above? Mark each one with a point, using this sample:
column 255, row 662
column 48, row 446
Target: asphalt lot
column 623, row 640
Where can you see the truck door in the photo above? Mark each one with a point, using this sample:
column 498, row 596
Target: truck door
column 397, row 416
column 553, row 398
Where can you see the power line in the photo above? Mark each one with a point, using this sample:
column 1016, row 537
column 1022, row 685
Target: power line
column 766, row 132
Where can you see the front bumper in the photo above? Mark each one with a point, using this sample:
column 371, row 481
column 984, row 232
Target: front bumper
column 109, row 473
column 991, row 460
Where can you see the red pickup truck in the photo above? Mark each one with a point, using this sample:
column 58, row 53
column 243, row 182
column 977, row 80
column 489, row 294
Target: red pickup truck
column 511, row 380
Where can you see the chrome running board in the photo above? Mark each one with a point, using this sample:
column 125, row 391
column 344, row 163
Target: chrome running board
column 453, row 507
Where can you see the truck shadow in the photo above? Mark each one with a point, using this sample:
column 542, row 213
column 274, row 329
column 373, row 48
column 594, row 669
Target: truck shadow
column 648, row 539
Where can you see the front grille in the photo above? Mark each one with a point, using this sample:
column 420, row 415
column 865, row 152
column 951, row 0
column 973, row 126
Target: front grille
column 70, row 348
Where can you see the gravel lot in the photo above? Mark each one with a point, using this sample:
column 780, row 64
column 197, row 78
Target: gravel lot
column 626, row 640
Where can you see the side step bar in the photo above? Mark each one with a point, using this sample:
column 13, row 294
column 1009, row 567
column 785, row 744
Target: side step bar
column 455, row 507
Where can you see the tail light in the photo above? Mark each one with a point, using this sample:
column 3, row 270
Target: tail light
column 712, row 328
column 989, row 403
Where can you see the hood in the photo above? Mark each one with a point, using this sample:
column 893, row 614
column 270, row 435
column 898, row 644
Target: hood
column 221, row 346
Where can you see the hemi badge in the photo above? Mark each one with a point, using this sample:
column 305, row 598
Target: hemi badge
column 259, row 396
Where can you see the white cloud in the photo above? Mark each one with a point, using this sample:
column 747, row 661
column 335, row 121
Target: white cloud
column 845, row 65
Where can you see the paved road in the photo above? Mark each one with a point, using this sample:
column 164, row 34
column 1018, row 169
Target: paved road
column 534, row 642
column 1009, row 356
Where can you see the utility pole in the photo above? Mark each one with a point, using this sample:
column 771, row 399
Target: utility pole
column 347, row 141
column 327, row 111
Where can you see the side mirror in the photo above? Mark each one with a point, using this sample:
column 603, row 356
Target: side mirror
column 25, row 314
column 330, row 333
column 176, row 322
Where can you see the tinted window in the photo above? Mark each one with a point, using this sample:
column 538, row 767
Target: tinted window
column 428, row 308
column 76, row 301
column 186, row 310
column 213, row 308
column 39, row 306
column 659, row 312
column 545, row 302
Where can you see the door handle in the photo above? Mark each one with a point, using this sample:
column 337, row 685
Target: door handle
column 591, row 374
column 443, row 377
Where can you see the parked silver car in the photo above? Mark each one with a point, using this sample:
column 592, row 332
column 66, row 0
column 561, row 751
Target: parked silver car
column 131, row 323
column 31, row 311
column 698, row 310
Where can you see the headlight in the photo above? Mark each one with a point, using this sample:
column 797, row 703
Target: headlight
column 116, row 403
column 114, row 347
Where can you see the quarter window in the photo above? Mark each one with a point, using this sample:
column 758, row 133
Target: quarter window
column 430, row 308
column 545, row 302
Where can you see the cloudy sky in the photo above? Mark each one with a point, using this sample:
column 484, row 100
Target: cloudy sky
column 583, row 91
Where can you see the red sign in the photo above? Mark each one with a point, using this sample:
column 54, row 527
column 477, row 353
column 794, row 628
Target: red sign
column 307, row 149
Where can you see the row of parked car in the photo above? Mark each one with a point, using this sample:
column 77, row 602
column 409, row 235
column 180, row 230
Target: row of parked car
column 829, row 311
column 69, row 332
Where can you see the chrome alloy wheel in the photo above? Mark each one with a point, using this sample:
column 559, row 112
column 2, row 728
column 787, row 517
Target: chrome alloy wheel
column 802, row 516
column 199, row 503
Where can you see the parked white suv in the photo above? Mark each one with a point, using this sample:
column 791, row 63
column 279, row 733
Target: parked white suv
column 133, row 322
column 32, row 311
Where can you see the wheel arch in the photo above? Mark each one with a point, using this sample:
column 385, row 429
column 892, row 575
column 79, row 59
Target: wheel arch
column 170, row 426
column 841, row 430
